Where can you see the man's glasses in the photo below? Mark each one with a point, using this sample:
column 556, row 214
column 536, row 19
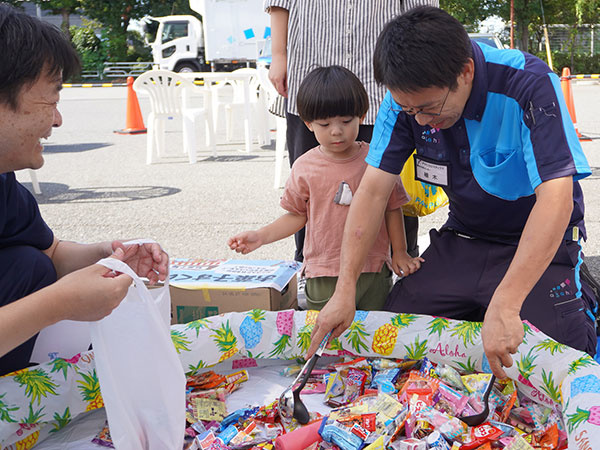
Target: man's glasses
column 413, row 112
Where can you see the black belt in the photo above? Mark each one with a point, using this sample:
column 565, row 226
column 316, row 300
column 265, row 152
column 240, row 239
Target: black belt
column 572, row 234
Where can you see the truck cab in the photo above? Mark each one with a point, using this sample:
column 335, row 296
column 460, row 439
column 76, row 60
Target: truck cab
column 179, row 44
column 229, row 36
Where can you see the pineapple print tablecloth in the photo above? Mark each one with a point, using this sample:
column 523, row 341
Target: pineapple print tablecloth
column 42, row 399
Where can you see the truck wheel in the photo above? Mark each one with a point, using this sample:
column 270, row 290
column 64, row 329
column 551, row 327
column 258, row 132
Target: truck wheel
column 186, row 67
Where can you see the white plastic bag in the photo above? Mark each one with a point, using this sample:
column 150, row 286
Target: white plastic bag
column 141, row 377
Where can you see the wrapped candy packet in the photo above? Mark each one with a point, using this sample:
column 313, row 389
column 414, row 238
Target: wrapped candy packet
column 450, row 376
column 354, row 383
column 384, row 380
column 476, row 382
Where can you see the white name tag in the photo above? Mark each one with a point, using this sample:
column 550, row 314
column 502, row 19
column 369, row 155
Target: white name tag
column 431, row 172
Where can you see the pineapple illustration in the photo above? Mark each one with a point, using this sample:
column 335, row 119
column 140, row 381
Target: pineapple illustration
column 251, row 329
column 285, row 325
column 526, row 366
column 385, row 337
column 62, row 365
column 527, row 331
column 551, row 345
column 584, row 361
column 577, row 418
column 226, row 341
column 416, row 350
column 335, row 346
column 193, row 369
column 37, row 383
column 180, row 341
column 467, row 331
column 30, row 423
column 356, row 333
column 198, row 325
column 61, row 421
column 28, row 442
column 305, row 332
column 437, row 325
column 90, row 390
column 5, row 411
column 468, row 367
column 553, row 391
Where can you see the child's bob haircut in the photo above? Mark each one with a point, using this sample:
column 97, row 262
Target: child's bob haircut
column 329, row 92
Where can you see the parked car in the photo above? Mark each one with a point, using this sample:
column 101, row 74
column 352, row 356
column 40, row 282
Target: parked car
column 487, row 38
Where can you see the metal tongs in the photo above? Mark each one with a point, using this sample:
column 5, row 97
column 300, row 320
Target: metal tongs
column 477, row 419
column 290, row 405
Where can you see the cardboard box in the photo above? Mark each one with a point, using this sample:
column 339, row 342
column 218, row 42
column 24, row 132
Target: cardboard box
column 193, row 304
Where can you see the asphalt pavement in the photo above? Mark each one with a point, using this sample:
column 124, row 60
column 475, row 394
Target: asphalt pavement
column 96, row 185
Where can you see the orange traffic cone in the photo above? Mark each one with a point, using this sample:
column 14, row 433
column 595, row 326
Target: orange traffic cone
column 134, row 123
column 565, row 84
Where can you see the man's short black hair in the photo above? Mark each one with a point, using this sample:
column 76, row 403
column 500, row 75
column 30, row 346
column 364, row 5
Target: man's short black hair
column 425, row 47
column 29, row 46
column 329, row 92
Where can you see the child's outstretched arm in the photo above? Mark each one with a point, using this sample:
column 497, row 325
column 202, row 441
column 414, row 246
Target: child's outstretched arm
column 402, row 263
column 283, row 227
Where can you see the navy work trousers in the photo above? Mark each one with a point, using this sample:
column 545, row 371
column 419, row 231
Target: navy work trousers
column 459, row 277
column 23, row 270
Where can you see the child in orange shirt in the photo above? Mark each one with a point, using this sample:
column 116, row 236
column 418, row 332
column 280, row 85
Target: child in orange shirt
column 332, row 102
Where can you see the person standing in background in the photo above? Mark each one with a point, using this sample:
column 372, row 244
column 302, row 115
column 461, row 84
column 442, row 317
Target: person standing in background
column 308, row 34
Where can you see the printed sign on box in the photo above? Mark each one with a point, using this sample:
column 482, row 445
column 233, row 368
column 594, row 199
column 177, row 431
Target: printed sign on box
column 207, row 287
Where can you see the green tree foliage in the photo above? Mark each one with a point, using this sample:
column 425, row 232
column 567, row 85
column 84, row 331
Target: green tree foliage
column 92, row 50
column 587, row 11
column 115, row 16
column 469, row 12
column 160, row 8
column 527, row 15
column 63, row 8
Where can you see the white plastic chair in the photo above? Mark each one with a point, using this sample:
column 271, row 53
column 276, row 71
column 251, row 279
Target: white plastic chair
column 34, row 182
column 170, row 97
column 234, row 106
column 280, row 123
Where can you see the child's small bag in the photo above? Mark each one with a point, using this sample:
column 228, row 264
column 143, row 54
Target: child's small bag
column 141, row 377
column 424, row 198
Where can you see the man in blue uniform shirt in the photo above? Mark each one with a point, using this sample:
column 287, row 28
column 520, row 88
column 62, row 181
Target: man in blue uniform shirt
column 44, row 280
column 491, row 127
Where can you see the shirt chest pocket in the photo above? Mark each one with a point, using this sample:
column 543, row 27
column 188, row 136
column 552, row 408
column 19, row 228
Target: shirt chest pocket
column 431, row 153
column 502, row 172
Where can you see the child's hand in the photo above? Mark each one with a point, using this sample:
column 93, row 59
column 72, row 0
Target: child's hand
column 403, row 264
column 245, row 242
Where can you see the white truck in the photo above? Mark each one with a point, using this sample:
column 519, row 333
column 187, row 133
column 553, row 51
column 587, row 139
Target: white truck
column 231, row 34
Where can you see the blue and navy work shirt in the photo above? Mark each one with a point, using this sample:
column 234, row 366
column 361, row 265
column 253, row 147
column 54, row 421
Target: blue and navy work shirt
column 20, row 220
column 514, row 134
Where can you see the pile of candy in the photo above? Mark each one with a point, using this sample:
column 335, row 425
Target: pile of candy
column 378, row 404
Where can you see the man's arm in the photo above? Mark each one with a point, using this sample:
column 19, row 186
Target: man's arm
column 70, row 256
column 86, row 294
column 147, row 260
column 360, row 231
column 278, row 68
column 502, row 331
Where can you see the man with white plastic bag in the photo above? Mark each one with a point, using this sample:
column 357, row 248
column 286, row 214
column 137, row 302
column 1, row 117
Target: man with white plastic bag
column 44, row 280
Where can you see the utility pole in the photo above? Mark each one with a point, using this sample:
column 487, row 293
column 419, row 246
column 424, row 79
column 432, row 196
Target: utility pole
column 547, row 39
column 512, row 23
